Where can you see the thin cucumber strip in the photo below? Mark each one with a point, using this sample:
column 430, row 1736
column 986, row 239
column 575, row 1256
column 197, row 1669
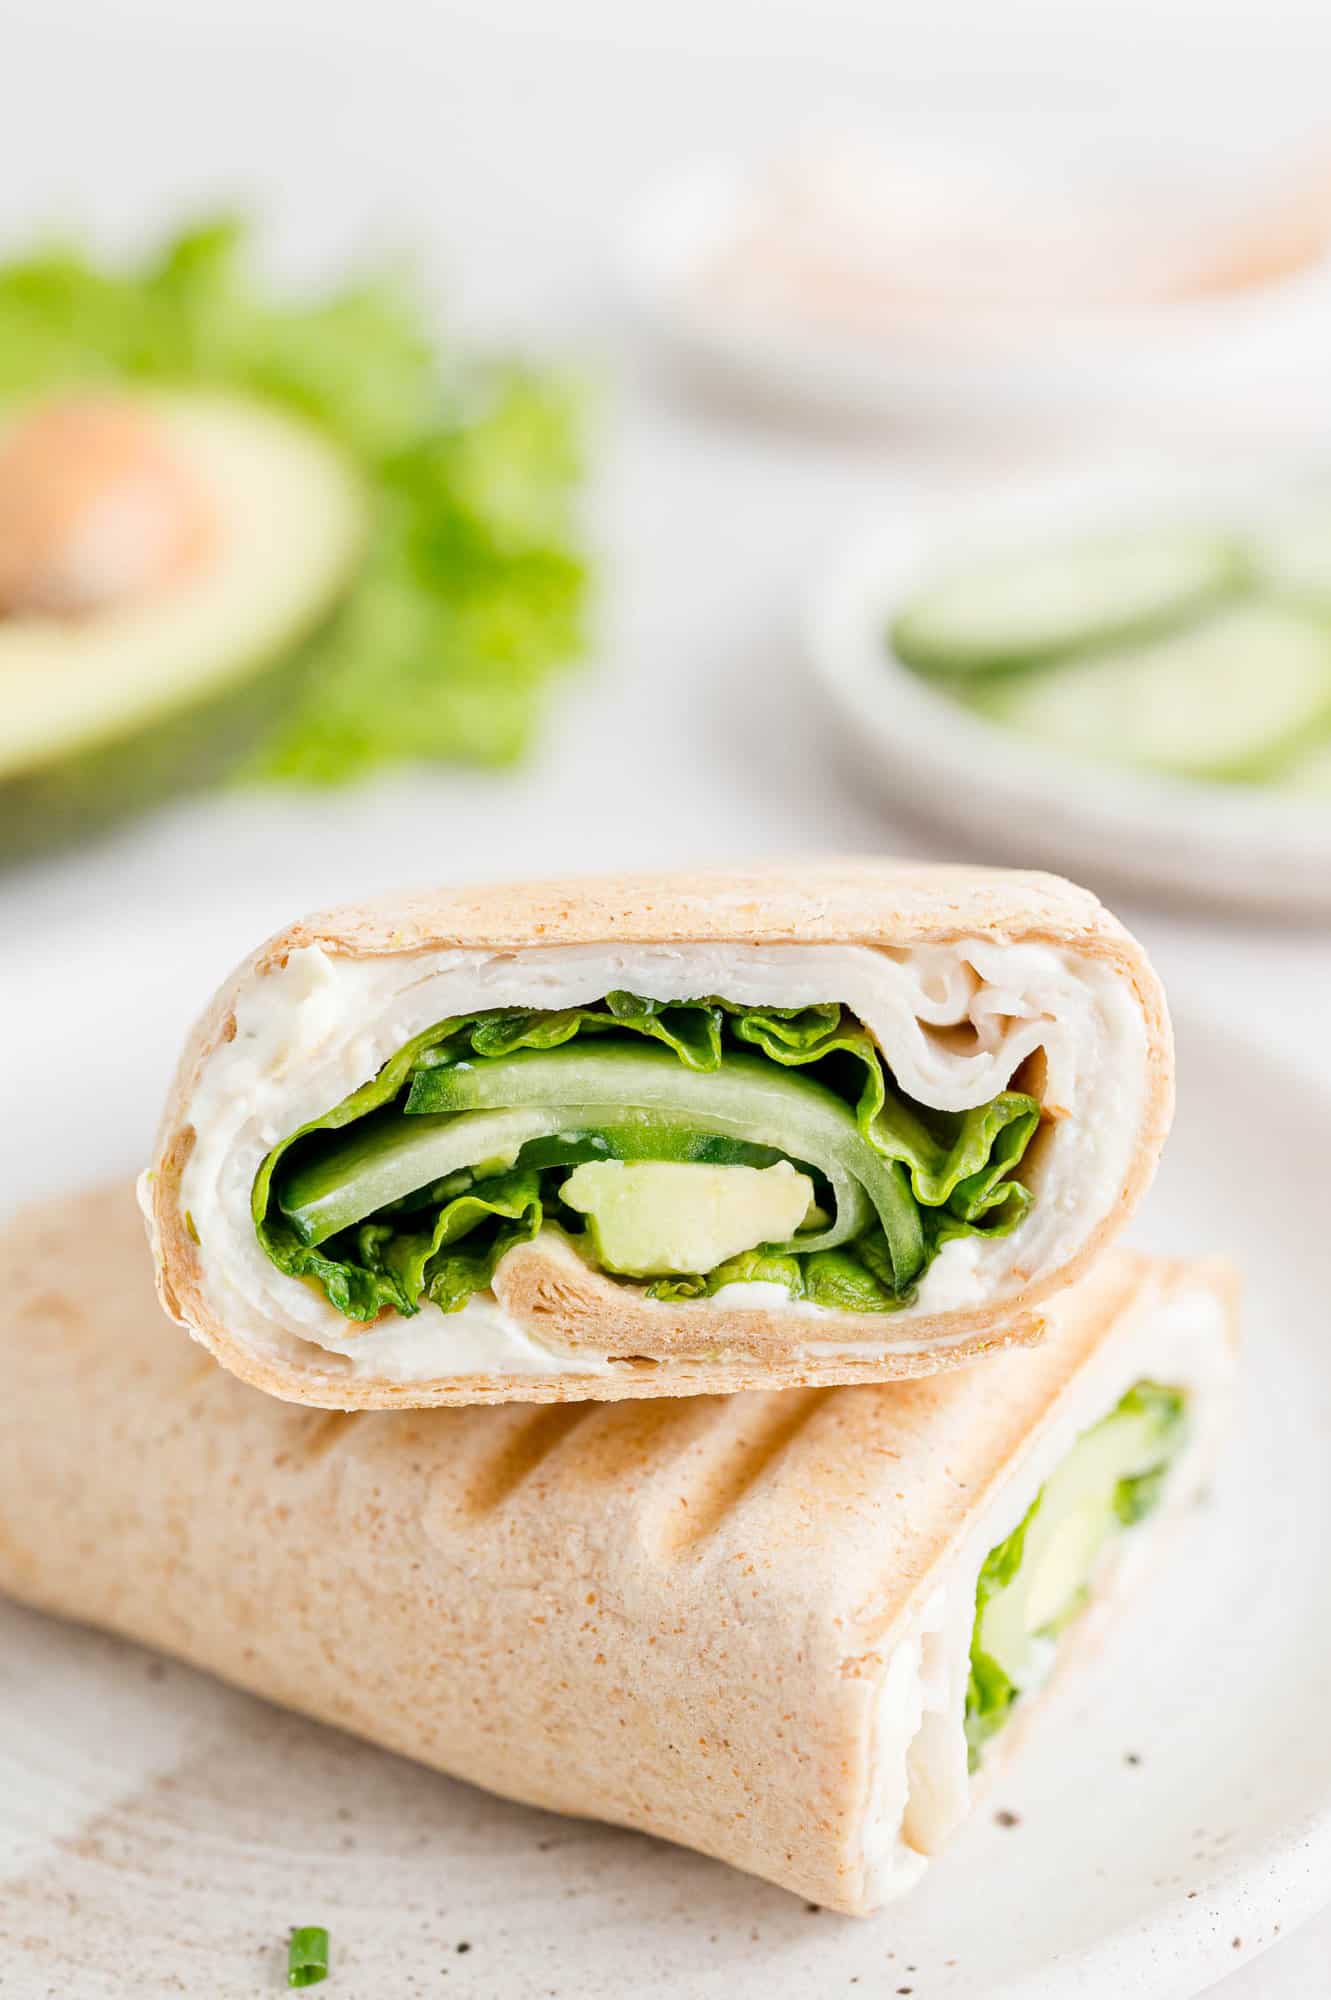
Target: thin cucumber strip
column 386, row 1159
column 1226, row 698
column 749, row 1097
column 1032, row 606
column 372, row 1172
column 633, row 1075
column 646, row 1104
column 654, row 1140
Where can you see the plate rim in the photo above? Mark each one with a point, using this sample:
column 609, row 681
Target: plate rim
column 678, row 215
column 1222, row 845
column 1298, row 1856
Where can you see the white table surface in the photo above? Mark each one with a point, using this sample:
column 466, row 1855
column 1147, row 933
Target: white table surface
column 507, row 142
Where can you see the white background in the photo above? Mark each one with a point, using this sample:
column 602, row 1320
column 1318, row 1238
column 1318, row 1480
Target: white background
column 508, row 140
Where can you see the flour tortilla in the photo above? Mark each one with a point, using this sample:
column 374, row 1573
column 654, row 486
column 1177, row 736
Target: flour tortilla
column 696, row 1617
column 634, row 1346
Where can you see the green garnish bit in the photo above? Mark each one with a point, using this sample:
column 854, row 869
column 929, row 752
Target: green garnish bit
column 307, row 1956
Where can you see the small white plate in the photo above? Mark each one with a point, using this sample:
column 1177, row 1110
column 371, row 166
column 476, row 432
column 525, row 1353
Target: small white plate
column 160, row 1833
column 1014, row 799
column 1172, row 355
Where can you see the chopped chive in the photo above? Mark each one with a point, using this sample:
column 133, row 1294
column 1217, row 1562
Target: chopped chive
column 307, row 1956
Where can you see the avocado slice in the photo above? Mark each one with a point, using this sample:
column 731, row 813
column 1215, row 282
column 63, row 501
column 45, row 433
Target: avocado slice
column 648, row 1218
column 113, row 698
column 1034, row 1584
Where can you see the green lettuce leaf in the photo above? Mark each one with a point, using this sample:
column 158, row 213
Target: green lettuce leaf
column 953, row 1170
column 473, row 590
column 388, row 1267
column 751, row 1267
column 989, row 1692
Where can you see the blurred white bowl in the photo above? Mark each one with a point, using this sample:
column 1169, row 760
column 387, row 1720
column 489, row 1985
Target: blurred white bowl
column 953, row 361
column 1012, row 798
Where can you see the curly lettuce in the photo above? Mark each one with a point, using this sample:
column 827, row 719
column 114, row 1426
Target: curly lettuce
column 416, row 1184
column 473, row 591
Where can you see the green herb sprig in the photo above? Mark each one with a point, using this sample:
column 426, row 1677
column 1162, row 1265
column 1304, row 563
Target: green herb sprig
column 307, row 1956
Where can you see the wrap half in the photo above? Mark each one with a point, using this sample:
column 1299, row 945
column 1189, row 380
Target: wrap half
column 657, row 1135
column 793, row 1630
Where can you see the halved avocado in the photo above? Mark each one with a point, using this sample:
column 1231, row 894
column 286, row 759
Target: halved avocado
column 117, row 698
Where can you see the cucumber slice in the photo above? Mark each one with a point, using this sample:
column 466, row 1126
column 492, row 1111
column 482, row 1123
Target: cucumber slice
column 655, row 1142
column 683, row 1144
column 390, row 1159
column 748, row 1097
column 361, row 1178
column 1224, row 699
column 383, row 1159
column 1031, row 606
column 645, row 1103
column 386, row 1161
column 1293, row 556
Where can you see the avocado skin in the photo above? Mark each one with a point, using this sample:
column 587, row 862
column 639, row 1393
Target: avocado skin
column 78, row 796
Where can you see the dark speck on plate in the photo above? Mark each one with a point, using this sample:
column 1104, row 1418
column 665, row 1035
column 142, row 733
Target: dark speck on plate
column 1003, row 1817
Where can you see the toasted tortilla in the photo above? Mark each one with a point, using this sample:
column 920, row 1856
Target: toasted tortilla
column 701, row 1617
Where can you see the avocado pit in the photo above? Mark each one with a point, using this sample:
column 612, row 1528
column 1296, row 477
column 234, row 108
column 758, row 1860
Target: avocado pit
column 97, row 512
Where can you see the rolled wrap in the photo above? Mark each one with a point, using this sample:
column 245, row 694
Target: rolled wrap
column 740, row 1623
column 966, row 978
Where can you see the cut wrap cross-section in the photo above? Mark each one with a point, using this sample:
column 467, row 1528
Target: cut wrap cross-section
column 972, row 1069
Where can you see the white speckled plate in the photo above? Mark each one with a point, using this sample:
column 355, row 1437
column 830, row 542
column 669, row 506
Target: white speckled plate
column 1237, row 845
column 160, row 1833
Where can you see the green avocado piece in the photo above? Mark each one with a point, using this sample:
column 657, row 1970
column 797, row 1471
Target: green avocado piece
column 113, row 711
column 1081, row 1506
column 651, row 1217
